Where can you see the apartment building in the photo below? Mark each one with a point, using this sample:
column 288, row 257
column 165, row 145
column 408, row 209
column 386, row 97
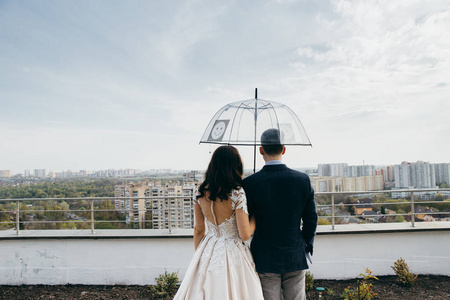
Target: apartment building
column 162, row 206
column 419, row 174
column 344, row 170
column 387, row 172
column 172, row 206
column 347, row 184
column 333, row 170
column 442, row 173
column 134, row 208
column 5, row 173
column 39, row 173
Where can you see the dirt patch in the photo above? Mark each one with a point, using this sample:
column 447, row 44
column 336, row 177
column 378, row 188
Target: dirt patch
column 426, row 287
column 387, row 287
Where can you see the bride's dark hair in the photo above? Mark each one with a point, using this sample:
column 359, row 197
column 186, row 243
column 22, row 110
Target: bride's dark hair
column 224, row 174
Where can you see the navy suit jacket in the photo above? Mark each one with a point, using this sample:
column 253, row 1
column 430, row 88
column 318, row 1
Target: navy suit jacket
column 282, row 201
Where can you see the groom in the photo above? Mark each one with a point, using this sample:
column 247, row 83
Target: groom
column 281, row 200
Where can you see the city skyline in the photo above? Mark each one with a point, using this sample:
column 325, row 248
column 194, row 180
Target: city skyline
column 132, row 171
column 101, row 85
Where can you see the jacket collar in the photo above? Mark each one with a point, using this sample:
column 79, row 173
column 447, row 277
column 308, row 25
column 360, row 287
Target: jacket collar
column 278, row 167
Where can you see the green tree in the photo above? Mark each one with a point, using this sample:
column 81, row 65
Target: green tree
column 439, row 197
column 5, row 217
column 399, row 218
column 323, row 221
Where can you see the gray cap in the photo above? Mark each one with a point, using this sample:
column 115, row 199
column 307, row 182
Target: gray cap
column 271, row 137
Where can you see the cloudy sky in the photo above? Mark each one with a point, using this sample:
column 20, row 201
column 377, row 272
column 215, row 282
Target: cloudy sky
column 133, row 84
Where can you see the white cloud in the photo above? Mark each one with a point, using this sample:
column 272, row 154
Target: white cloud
column 375, row 83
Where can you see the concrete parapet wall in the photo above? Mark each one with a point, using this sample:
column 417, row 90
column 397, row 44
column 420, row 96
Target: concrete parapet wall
column 92, row 261
column 139, row 259
column 344, row 256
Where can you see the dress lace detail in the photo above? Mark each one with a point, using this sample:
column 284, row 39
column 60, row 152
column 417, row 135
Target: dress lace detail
column 223, row 245
column 238, row 198
column 223, row 240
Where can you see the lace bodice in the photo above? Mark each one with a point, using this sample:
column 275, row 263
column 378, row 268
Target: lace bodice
column 228, row 227
column 222, row 238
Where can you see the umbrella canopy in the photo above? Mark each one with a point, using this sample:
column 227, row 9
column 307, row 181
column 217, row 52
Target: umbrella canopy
column 241, row 123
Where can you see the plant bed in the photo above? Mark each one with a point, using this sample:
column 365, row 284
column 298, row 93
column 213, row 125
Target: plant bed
column 387, row 287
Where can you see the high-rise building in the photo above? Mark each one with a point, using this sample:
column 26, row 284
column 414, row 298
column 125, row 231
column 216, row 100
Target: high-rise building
column 419, row 174
column 387, row 173
column 334, row 170
column 344, row 170
column 360, row 170
column 174, row 207
column 5, row 173
column 39, row 173
column 192, row 176
column 134, row 208
column 170, row 205
column 347, row 184
column 442, row 172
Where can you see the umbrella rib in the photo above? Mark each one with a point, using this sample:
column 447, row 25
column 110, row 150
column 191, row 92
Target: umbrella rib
column 232, row 124
column 239, row 125
column 261, row 108
column 276, row 116
column 301, row 129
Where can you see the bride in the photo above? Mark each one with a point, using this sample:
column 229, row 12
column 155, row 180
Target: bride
column 222, row 266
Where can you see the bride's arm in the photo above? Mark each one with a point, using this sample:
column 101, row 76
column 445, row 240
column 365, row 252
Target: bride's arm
column 246, row 227
column 199, row 228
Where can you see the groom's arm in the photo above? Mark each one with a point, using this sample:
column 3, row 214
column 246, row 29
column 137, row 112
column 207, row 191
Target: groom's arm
column 250, row 202
column 309, row 219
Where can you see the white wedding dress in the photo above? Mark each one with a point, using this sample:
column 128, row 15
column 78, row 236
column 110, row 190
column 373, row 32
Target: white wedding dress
column 222, row 266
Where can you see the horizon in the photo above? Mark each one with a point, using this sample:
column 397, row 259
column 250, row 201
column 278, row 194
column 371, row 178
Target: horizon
column 13, row 173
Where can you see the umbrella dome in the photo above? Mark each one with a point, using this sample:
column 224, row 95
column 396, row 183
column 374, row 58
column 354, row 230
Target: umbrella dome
column 241, row 123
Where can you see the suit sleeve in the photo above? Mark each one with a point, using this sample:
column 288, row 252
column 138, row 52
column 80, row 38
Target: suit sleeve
column 309, row 220
column 250, row 202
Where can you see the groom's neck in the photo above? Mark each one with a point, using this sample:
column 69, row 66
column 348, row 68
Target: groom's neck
column 272, row 157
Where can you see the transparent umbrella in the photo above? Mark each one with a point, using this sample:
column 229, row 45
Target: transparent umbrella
column 241, row 123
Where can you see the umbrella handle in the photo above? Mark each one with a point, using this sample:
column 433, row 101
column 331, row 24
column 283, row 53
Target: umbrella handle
column 254, row 159
column 256, row 121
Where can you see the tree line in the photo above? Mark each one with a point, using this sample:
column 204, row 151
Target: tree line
column 49, row 214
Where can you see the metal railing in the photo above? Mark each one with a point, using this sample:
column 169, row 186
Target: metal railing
column 412, row 203
column 168, row 209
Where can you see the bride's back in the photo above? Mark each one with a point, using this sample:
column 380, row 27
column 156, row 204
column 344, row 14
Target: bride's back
column 216, row 211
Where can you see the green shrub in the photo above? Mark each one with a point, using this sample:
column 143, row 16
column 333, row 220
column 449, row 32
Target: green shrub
column 166, row 285
column 405, row 276
column 323, row 221
column 363, row 290
column 309, row 281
